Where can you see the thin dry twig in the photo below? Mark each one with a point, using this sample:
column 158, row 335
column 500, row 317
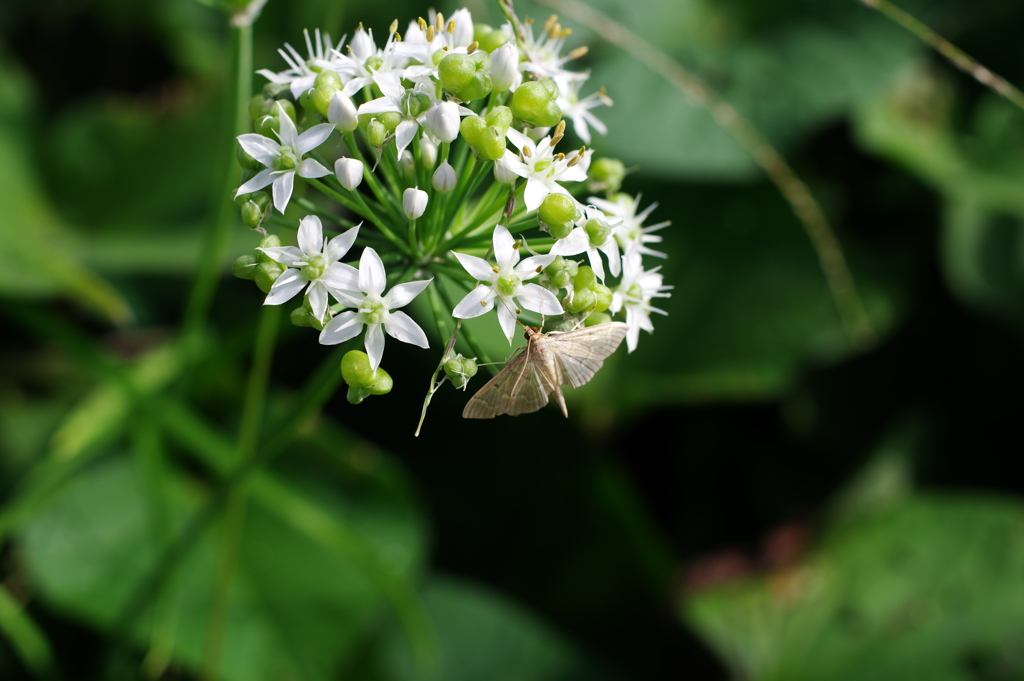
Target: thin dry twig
column 807, row 210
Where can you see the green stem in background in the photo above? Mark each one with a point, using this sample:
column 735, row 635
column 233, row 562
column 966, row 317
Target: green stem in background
column 364, row 210
column 227, row 213
column 464, row 332
column 960, row 59
column 845, row 296
column 245, row 450
column 25, row 638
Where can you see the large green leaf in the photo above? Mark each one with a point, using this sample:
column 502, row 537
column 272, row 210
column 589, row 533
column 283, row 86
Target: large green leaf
column 930, row 588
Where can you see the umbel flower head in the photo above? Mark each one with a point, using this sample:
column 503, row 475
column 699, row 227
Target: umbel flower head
column 448, row 149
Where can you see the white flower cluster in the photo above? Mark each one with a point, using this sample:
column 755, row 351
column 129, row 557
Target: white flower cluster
column 444, row 144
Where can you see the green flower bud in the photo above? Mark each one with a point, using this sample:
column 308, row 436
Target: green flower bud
column 244, row 267
column 585, row 278
column 267, row 273
column 259, row 106
column 245, row 160
column 606, row 174
column 330, row 79
column 597, row 318
column 598, row 231
column 376, row 133
column 561, row 272
column 486, row 140
column 493, row 40
column 465, row 75
column 604, row 297
column 363, row 381
column 558, row 212
column 581, row 300
column 500, row 117
column 252, row 214
column 533, row 102
column 460, row 369
column 320, row 98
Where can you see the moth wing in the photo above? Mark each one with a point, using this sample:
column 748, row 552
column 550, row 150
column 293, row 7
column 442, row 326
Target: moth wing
column 517, row 389
column 582, row 352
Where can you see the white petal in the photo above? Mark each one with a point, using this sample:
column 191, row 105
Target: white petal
column 532, row 266
column 257, row 181
column 611, row 249
column 346, row 325
column 519, row 139
column 401, row 327
column 535, row 193
column 539, row 299
column 478, row 268
column 343, row 277
column 288, row 135
column 633, row 333
column 504, row 248
column 339, row 245
column 311, row 235
column 389, row 84
column 285, row 287
column 286, row 255
column 404, row 133
column 596, row 263
column 402, row 295
column 576, row 242
column 283, row 184
column 314, row 137
column 261, row 148
column 311, row 168
column 475, row 303
column 317, row 294
column 374, row 344
column 372, row 277
column 506, row 318
column 379, row 105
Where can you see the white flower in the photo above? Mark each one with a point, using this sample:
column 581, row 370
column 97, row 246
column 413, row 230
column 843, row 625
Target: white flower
column 580, row 241
column 315, row 263
column 634, row 293
column 444, row 179
column 416, row 47
column 504, row 71
column 299, row 76
column 364, row 60
column 341, row 113
column 630, row 232
column 505, row 282
column 542, row 56
column 349, row 172
column 414, row 202
column 374, row 311
column 541, row 168
column 578, row 110
column 442, row 121
column 283, row 160
column 414, row 104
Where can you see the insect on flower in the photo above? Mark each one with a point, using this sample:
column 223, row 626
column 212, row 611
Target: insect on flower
column 549, row 361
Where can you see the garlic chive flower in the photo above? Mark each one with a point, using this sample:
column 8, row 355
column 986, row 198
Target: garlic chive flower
column 634, row 294
column 313, row 265
column 300, row 74
column 630, row 231
column 504, row 281
column 375, row 311
column 593, row 235
column 542, row 169
column 283, row 160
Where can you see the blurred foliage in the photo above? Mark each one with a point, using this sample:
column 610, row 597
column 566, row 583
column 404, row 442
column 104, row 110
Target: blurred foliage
column 617, row 545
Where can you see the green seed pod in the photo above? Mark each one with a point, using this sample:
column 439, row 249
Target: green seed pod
column 376, row 133
column 261, row 199
column 493, row 40
column 244, row 267
column 277, row 91
column 597, row 318
column 269, row 241
column 268, row 126
column 363, row 381
column 598, row 231
column 286, row 106
column 460, row 369
column 606, row 174
column 500, row 117
column 585, row 278
column 604, row 297
column 581, row 300
column 267, row 273
column 561, row 272
column 480, row 31
column 465, row 76
column 328, row 78
column 486, row 140
column 259, row 106
column 558, row 212
column 252, row 214
column 245, row 160
column 390, row 119
column 533, row 102
column 300, row 316
column 320, row 98
column 243, row 199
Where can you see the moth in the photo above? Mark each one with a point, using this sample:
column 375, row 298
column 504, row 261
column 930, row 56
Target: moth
column 549, row 361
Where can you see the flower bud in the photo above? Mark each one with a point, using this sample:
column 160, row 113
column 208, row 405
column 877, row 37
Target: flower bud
column 465, row 75
column 428, row 152
column 606, row 174
column 252, row 214
column 486, row 140
column 502, row 174
column 460, row 369
column 444, row 179
column 414, row 202
column 244, row 267
column 349, row 172
column 342, row 113
column 407, row 165
column 504, row 67
column 442, row 121
column 361, row 379
column 558, row 211
column 376, row 133
column 534, row 103
column 320, row 98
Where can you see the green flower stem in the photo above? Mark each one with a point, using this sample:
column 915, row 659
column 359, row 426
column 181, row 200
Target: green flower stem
column 26, row 638
column 385, row 198
column 459, row 195
column 482, row 226
column 245, row 450
column 219, row 239
column 465, row 333
column 414, row 244
column 389, row 167
column 369, row 214
column 441, row 313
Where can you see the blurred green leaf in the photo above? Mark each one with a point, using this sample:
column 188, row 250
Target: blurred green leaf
column 931, row 588
column 296, row 608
